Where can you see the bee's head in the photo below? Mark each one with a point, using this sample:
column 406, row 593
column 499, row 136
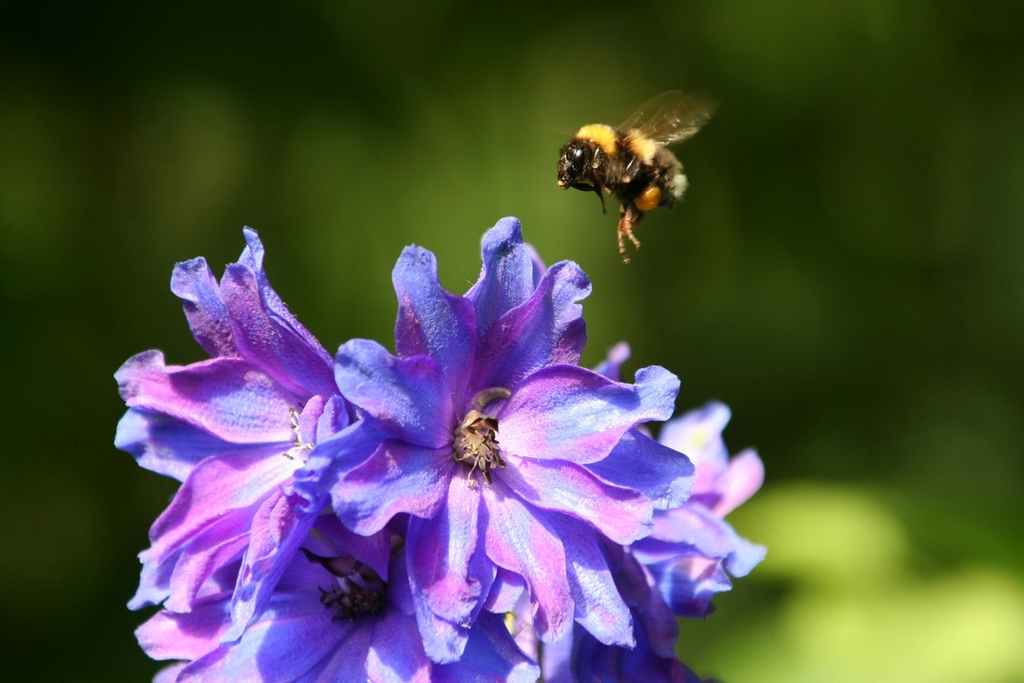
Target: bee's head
column 574, row 163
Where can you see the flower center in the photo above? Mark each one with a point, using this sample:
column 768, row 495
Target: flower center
column 476, row 438
column 350, row 601
column 359, row 591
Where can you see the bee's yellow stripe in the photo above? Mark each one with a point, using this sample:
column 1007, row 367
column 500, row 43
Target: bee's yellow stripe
column 643, row 147
column 601, row 134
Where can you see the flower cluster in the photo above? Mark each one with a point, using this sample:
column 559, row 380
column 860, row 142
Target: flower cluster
column 435, row 514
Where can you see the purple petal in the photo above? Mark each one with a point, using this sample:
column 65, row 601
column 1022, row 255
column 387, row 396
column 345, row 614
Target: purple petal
column 224, row 396
column 694, row 525
column 506, row 278
column 272, row 339
column 698, row 434
column 624, row 515
column 651, row 614
column 408, row 396
column 599, row 606
column 278, row 529
column 556, row 658
column 689, row 582
column 598, row 663
column 443, row 640
column 452, row 577
column 292, row 333
column 205, row 554
column 693, row 530
column 639, row 462
column 491, row 656
column 168, row 635
column 505, row 592
column 546, row 329
column 610, row 367
column 217, row 486
column 334, row 457
column 207, row 315
column 569, row 413
column 439, row 551
column 373, row 550
column 654, row 616
column 155, row 582
column 744, row 557
column 397, row 478
column 334, row 419
column 346, row 663
column 523, row 542
column 433, row 322
column 166, row 445
column 294, row 636
column 742, row 480
column 396, row 652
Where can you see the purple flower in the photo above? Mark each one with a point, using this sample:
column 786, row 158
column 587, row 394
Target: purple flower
column 582, row 658
column 234, row 429
column 692, row 547
column 342, row 611
column 504, row 454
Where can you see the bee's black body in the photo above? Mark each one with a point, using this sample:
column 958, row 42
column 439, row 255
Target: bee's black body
column 631, row 161
column 585, row 165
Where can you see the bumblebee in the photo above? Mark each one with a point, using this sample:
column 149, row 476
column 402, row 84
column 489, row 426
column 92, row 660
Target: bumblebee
column 631, row 161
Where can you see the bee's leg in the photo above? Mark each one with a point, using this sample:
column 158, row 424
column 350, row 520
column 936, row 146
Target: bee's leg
column 629, row 218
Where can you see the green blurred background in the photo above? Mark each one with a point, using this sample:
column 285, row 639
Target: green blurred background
column 846, row 272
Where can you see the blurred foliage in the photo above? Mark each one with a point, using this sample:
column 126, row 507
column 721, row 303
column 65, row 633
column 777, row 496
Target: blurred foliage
column 847, row 272
column 850, row 604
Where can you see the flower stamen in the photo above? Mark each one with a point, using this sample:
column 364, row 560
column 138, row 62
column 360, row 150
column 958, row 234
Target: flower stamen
column 359, row 592
column 476, row 437
column 350, row 601
column 299, row 444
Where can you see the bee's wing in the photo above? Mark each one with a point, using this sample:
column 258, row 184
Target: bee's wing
column 671, row 117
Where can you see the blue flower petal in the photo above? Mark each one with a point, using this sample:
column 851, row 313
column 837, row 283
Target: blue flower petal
column 223, row 396
column 547, row 329
column 519, row 538
column 207, row 315
column 166, row 445
column 440, row 550
column 506, row 278
column 398, row 478
column 168, row 635
column 396, row 652
column 599, row 606
column 433, row 322
column 595, row 662
column 622, row 514
column 491, row 656
column 295, row 635
column 569, row 413
column 278, row 529
column 688, row 583
column 223, row 492
column 274, row 340
column 639, row 462
column 207, row 552
column 294, row 336
column 409, row 397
